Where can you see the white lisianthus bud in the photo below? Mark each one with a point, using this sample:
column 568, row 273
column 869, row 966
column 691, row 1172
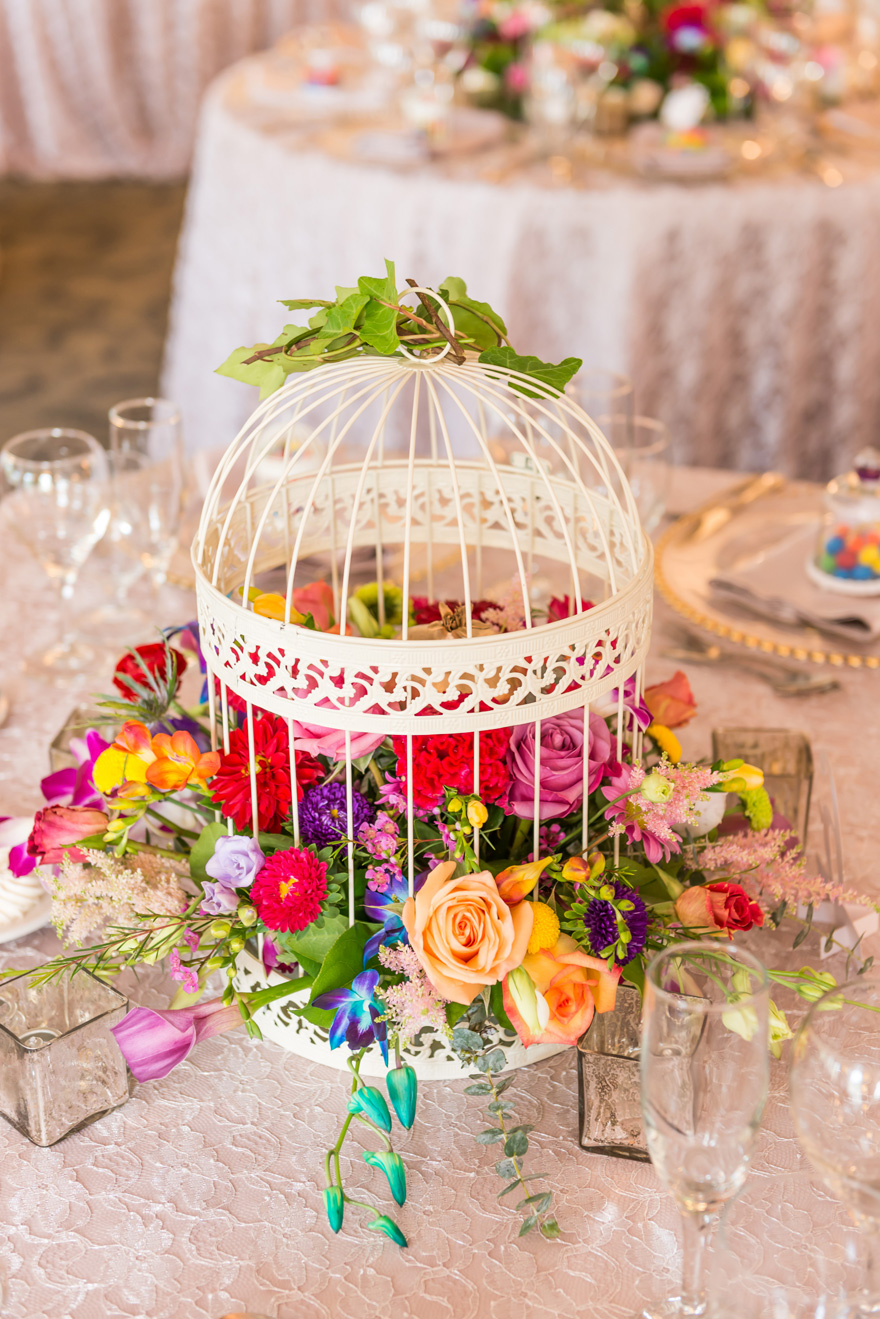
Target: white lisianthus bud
column 657, row 788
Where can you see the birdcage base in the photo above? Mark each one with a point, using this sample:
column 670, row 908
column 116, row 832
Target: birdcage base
column 431, row 1055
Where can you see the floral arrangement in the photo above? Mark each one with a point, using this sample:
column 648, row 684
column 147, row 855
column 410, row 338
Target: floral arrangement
column 150, row 848
column 643, row 48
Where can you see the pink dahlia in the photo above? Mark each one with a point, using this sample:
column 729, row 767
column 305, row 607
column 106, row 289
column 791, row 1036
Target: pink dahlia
column 289, row 890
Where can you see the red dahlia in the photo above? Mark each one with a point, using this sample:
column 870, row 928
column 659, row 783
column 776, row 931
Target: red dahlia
column 289, row 890
column 446, row 760
column 152, row 659
column 231, row 785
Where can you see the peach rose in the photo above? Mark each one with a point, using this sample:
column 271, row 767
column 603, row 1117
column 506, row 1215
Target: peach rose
column 572, row 984
column 463, row 933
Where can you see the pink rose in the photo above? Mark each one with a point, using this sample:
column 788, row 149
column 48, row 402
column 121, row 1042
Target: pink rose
column 330, row 742
column 561, row 778
column 59, row 825
column 718, row 908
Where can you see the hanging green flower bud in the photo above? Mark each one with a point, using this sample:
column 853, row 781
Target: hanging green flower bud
column 392, row 1166
column 371, row 1102
column 383, row 1223
column 403, row 1087
column 335, row 1206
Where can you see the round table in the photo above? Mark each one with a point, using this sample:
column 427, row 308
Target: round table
column 747, row 312
column 202, row 1195
column 93, row 88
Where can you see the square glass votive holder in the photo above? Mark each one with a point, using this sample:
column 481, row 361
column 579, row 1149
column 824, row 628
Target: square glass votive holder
column 60, row 1068
column 609, row 1081
column 785, row 757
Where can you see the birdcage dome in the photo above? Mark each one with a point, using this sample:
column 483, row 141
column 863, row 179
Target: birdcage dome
column 429, row 481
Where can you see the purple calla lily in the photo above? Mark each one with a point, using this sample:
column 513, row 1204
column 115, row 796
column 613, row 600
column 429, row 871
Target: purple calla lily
column 358, row 1014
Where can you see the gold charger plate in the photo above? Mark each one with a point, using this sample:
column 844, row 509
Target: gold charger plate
column 686, row 562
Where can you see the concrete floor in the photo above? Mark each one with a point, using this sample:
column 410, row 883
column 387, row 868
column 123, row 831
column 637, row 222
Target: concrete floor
column 85, row 278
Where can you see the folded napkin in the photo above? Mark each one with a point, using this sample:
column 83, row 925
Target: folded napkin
column 775, row 585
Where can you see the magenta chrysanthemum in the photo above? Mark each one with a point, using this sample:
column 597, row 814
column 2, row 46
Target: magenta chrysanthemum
column 289, row 890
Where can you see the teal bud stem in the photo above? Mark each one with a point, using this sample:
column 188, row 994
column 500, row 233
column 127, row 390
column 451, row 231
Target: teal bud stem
column 382, row 1223
column 392, row 1166
column 371, row 1102
column 335, row 1206
column 403, row 1087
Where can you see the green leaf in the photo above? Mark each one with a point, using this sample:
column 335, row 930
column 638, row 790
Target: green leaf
column 268, row 372
column 475, row 319
column 489, row 1136
column 530, row 1222
column 556, row 376
column 317, row 939
column 481, row 1088
column 343, row 961
column 379, row 328
column 500, row 1105
column 512, row 1186
column 203, row 849
column 506, row 1168
column 516, row 1145
column 302, row 304
column 496, row 1060
column 634, row 974
column 502, row 1084
column 550, row 1229
column 342, row 317
column 466, row 1041
column 454, row 1011
column 386, row 288
column 540, row 1201
column 524, row 1127
column 497, row 1001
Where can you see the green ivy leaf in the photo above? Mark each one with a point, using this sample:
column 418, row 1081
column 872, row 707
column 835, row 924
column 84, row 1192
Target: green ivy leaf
column 303, row 304
column 555, row 375
column 268, row 373
column 386, row 288
column 341, row 318
column 378, row 328
column 475, row 319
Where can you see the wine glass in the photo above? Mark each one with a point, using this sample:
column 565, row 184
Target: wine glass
column 58, row 507
column 835, row 1106
column 146, row 460
column 642, row 446
column 705, row 1072
column 602, row 393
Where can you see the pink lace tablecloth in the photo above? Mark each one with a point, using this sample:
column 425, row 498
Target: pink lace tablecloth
column 203, row 1194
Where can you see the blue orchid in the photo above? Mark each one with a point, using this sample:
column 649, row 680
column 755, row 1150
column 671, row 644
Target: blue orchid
column 380, row 908
column 358, row 1014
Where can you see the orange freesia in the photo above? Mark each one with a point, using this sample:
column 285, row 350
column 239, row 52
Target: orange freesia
column 672, row 702
column 178, row 761
column 127, row 760
column 516, row 881
column 573, row 986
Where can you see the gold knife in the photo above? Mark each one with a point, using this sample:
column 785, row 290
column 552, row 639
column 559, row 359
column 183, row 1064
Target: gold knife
column 712, row 517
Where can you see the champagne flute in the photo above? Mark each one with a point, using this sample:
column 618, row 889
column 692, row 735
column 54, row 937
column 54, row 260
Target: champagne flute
column 58, row 507
column 705, row 1072
column 835, row 1105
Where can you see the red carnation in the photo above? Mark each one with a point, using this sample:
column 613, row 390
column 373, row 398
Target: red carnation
column 231, row 785
column 289, row 889
column 152, row 660
column 446, row 760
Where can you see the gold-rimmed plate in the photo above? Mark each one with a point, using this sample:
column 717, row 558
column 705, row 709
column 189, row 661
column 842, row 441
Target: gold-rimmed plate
column 700, row 546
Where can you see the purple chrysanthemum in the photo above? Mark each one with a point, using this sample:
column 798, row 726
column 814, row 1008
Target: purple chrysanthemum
column 323, row 813
column 601, row 923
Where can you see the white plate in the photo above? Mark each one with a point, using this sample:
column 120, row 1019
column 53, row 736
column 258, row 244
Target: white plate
column 651, row 156
column 33, row 919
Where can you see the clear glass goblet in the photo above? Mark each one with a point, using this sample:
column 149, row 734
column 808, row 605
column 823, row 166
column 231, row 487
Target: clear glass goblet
column 705, row 1072
column 642, row 447
column 835, row 1106
column 58, row 507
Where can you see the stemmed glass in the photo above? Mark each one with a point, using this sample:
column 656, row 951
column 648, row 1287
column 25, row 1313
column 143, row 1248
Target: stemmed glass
column 642, row 446
column 705, row 1072
column 835, row 1105
column 146, row 458
column 602, row 393
column 58, row 507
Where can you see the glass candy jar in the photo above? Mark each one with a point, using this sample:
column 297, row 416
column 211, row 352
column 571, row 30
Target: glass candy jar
column 847, row 555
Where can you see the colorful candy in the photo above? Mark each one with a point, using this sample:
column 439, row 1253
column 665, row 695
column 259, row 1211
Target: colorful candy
column 853, row 553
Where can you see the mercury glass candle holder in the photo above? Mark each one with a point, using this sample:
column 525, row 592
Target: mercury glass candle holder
column 609, row 1081
column 786, row 759
column 60, row 1067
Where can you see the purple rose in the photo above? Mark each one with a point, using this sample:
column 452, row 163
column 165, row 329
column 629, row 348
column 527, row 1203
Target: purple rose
column 236, row 861
column 561, row 775
column 219, row 900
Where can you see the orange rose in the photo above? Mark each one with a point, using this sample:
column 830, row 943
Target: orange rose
column 572, row 984
column 463, row 933
column 672, row 702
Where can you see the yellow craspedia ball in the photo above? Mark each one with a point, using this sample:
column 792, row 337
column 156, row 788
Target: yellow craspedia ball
column 545, row 930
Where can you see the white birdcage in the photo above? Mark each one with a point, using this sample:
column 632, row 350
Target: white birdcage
column 454, row 481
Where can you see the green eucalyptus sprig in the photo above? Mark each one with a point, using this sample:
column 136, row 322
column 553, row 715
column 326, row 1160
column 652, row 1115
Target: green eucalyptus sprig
column 370, row 320
column 471, row 1047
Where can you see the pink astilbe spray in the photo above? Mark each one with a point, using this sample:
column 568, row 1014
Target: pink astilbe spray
column 509, row 616
column 651, row 822
column 770, row 862
column 413, row 1004
column 88, row 895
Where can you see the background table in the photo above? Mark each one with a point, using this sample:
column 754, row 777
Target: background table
column 90, row 88
column 747, row 313
column 203, row 1194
